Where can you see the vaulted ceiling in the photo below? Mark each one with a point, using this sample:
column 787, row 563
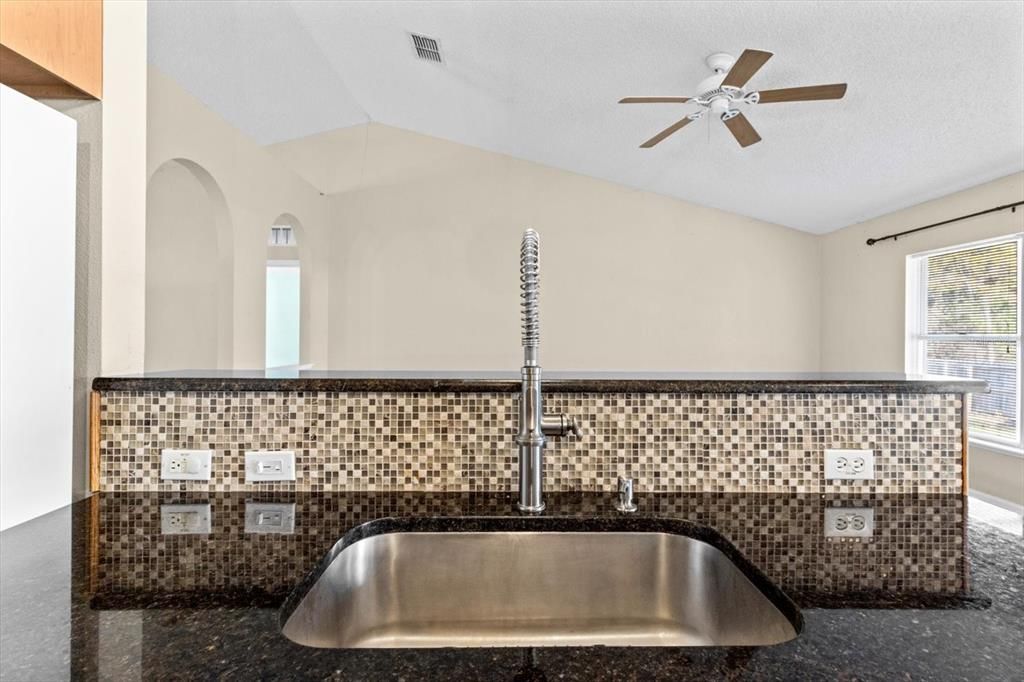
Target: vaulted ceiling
column 935, row 101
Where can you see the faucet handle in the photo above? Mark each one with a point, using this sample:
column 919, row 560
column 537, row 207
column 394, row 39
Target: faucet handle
column 560, row 425
column 625, row 502
column 572, row 426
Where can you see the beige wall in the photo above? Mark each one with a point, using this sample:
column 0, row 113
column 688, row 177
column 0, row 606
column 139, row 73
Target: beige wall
column 862, row 317
column 996, row 473
column 424, row 270
column 422, row 247
column 863, row 302
column 123, row 245
column 257, row 189
column 182, row 274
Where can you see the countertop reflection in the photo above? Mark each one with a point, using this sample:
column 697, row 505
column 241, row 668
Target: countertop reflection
column 97, row 590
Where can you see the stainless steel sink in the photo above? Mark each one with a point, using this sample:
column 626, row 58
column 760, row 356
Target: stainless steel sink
column 538, row 588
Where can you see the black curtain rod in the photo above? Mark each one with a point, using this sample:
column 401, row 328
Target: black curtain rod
column 897, row 235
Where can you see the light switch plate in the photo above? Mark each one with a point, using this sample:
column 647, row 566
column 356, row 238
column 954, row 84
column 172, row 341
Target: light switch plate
column 269, row 465
column 185, row 519
column 185, row 465
column 849, row 465
column 269, row 517
column 849, row 522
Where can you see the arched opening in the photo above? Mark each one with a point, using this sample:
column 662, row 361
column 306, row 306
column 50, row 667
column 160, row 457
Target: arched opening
column 284, row 295
column 188, row 270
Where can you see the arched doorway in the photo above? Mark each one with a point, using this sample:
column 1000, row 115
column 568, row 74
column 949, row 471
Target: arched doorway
column 188, row 270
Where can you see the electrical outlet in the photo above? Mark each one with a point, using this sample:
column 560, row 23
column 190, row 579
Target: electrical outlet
column 185, row 465
column 849, row 522
column 269, row 465
column 185, row 519
column 268, row 517
column 849, row 465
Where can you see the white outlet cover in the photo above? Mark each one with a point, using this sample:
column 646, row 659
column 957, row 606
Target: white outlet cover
column 269, row 517
column 269, row 465
column 185, row 519
column 850, row 465
column 849, row 522
column 185, row 465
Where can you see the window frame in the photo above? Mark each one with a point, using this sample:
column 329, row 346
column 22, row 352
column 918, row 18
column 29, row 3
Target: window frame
column 917, row 335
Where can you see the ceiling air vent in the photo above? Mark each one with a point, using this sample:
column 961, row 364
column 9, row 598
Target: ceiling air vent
column 427, row 48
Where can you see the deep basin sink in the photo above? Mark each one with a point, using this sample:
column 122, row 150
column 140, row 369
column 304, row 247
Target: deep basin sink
column 536, row 583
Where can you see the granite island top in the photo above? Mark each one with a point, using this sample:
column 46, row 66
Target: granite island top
column 554, row 381
column 96, row 591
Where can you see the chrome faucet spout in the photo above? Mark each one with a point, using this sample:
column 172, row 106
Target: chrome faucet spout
column 534, row 426
column 529, row 285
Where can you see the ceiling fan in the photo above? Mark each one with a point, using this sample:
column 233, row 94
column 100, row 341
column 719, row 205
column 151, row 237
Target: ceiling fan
column 721, row 93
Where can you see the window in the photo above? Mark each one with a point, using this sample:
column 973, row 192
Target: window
column 963, row 320
column 283, row 278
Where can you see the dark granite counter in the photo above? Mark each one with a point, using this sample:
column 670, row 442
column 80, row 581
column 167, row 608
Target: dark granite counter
column 563, row 382
column 96, row 591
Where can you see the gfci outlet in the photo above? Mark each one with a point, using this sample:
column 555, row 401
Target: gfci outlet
column 185, row 465
column 269, row 517
column 850, row 464
column 849, row 522
column 269, row 465
column 185, row 519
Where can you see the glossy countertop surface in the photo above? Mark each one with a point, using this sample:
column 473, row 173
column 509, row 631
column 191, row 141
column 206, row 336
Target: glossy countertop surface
column 559, row 381
column 96, row 591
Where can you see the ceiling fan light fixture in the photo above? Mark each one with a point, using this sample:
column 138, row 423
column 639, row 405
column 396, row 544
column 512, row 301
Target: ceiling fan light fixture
column 720, row 105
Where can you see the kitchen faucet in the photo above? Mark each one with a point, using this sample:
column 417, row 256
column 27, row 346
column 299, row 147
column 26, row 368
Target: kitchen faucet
column 534, row 425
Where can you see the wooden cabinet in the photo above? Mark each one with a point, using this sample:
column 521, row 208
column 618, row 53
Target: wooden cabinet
column 52, row 48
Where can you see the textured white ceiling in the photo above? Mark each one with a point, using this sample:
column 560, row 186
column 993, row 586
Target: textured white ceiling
column 935, row 100
column 254, row 64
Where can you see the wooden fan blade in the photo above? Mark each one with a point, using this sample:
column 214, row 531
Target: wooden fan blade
column 654, row 100
column 806, row 94
column 746, row 66
column 678, row 125
column 741, row 129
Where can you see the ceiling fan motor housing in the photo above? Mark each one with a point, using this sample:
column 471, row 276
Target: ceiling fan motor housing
column 710, row 86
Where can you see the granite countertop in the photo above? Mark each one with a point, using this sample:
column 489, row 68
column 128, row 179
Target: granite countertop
column 95, row 591
column 555, row 381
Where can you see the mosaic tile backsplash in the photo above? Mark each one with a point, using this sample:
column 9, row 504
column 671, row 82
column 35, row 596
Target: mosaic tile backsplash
column 463, row 442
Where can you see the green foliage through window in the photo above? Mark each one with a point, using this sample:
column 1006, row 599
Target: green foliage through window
column 970, row 327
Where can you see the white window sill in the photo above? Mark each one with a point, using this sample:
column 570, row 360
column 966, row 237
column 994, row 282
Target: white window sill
column 997, row 447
